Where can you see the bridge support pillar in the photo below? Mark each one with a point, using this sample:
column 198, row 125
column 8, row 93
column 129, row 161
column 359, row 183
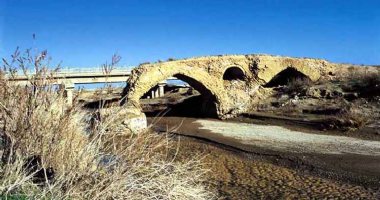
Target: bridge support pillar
column 161, row 90
column 156, row 93
column 69, row 92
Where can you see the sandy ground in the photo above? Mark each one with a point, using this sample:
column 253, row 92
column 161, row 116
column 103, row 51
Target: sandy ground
column 282, row 139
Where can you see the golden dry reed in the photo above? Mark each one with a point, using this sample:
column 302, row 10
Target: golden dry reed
column 79, row 156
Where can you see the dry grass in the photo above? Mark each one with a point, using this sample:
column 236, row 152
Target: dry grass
column 298, row 86
column 35, row 121
column 367, row 84
column 350, row 118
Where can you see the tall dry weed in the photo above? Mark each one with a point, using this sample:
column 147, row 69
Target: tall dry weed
column 77, row 159
column 366, row 84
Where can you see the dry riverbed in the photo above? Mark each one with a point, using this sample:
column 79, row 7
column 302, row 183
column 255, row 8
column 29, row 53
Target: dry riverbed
column 236, row 175
column 282, row 139
column 252, row 161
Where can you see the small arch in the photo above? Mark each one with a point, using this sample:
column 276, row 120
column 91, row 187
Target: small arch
column 285, row 76
column 234, row 73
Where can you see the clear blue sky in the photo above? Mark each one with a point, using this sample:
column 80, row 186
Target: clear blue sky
column 87, row 33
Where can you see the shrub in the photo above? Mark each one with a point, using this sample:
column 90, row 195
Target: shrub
column 86, row 161
column 366, row 84
column 370, row 86
column 351, row 117
column 298, row 86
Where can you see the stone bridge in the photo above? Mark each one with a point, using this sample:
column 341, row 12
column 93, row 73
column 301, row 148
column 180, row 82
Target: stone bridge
column 229, row 84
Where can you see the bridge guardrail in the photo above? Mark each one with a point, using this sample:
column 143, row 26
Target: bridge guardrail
column 95, row 69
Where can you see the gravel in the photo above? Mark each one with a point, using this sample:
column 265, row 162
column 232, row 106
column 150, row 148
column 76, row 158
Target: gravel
column 283, row 139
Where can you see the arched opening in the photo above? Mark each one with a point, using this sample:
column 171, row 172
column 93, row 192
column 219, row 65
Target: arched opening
column 234, row 73
column 286, row 76
column 186, row 97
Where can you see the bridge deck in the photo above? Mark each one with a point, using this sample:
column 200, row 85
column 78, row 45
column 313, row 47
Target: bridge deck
column 85, row 76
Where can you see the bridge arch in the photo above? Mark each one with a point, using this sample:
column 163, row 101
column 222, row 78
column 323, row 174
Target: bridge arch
column 146, row 77
column 271, row 67
column 234, row 73
column 285, row 76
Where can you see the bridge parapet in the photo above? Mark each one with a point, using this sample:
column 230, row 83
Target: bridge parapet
column 95, row 70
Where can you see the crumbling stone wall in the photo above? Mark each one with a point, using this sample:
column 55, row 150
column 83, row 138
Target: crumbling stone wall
column 205, row 74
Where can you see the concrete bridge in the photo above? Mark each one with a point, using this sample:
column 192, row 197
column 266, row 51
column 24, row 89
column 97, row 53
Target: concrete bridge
column 229, row 84
column 68, row 77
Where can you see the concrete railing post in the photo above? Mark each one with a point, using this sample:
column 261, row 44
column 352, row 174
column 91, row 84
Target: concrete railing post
column 152, row 94
column 69, row 92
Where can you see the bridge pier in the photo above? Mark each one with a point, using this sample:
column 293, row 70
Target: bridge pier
column 69, row 92
column 156, row 93
column 159, row 91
